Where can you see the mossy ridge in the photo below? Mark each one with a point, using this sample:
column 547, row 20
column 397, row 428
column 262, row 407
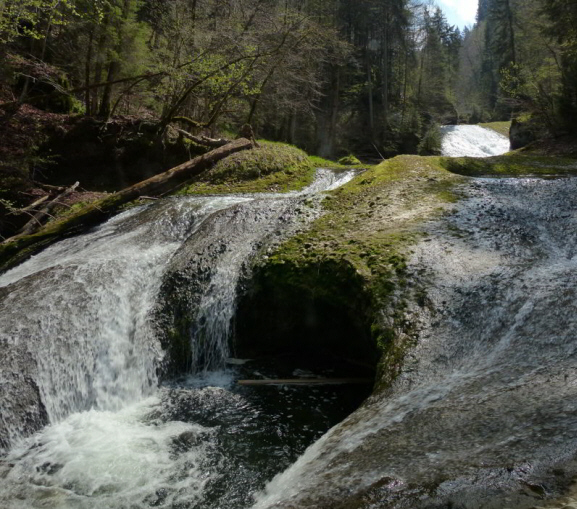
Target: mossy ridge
column 354, row 256
column 499, row 127
column 350, row 160
column 511, row 165
column 270, row 167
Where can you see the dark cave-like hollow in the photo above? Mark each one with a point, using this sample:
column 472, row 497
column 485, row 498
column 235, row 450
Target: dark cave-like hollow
column 298, row 329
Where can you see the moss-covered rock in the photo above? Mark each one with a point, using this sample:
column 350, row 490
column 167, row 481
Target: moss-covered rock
column 525, row 131
column 351, row 263
column 270, row 167
column 349, row 160
column 511, row 165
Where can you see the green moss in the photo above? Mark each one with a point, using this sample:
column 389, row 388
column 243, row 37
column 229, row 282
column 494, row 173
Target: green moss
column 511, row 165
column 349, row 160
column 67, row 212
column 271, row 167
column 500, row 127
column 354, row 256
column 319, row 162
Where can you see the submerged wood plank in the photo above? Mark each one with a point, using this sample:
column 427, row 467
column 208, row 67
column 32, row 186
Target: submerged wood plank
column 307, row 381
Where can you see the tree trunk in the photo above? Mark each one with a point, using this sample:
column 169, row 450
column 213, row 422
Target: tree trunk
column 106, row 103
column 370, row 97
column 100, row 51
column 16, row 249
column 87, row 75
column 510, row 22
column 115, row 64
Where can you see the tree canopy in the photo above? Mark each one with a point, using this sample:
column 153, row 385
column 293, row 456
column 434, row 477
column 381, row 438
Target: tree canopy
column 333, row 76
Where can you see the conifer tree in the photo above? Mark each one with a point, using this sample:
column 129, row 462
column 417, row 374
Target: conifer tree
column 563, row 29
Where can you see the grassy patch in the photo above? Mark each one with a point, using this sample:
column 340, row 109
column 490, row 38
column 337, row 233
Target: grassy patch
column 319, row 162
column 272, row 167
column 500, row 127
column 511, row 165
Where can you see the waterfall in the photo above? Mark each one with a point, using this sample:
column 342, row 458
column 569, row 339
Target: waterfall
column 81, row 349
column 483, row 412
column 472, row 141
column 75, row 319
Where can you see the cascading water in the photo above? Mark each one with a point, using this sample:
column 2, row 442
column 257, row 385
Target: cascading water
column 82, row 353
column 472, row 141
column 484, row 415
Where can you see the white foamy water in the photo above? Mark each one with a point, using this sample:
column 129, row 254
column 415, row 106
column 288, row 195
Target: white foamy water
column 108, row 460
column 80, row 351
column 472, row 141
column 76, row 316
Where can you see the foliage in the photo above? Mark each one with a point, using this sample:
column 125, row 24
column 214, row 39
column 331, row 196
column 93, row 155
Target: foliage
column 432, row 141
column 520, row 58
column 333, row 77
column 563, row 30
column 33, row 18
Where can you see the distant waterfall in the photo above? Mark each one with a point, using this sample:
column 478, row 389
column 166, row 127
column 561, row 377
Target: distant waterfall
column 472, row 141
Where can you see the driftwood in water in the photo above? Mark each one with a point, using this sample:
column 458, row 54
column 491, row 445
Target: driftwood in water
column 307, row 381
column 17, row 248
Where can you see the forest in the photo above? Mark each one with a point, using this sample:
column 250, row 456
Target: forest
column 108, row 93
column 370, row 77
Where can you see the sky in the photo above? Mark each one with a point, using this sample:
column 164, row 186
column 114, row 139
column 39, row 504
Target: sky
column 459, row 12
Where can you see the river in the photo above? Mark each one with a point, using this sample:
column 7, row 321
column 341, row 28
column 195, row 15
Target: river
column 484, row 413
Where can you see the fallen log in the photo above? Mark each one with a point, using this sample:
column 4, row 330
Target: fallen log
column 306, row 381
column 30, row 208
column 204, row 140
column 37, row 219
column 19, row 247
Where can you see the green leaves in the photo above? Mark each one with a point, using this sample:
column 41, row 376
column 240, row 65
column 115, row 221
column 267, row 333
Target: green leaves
column 29, row 17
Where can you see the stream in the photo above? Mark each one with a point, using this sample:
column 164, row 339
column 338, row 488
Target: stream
column 82, row 352
column 483, row 415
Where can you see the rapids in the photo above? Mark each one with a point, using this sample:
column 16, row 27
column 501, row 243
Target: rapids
column 82, row 353
column 483, row 414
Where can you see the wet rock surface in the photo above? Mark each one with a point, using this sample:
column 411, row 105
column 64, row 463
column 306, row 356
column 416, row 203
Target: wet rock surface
column 484, row 412
column 198, row 297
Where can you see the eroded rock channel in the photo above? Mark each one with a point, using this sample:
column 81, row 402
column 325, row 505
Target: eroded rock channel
column 451, row 297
